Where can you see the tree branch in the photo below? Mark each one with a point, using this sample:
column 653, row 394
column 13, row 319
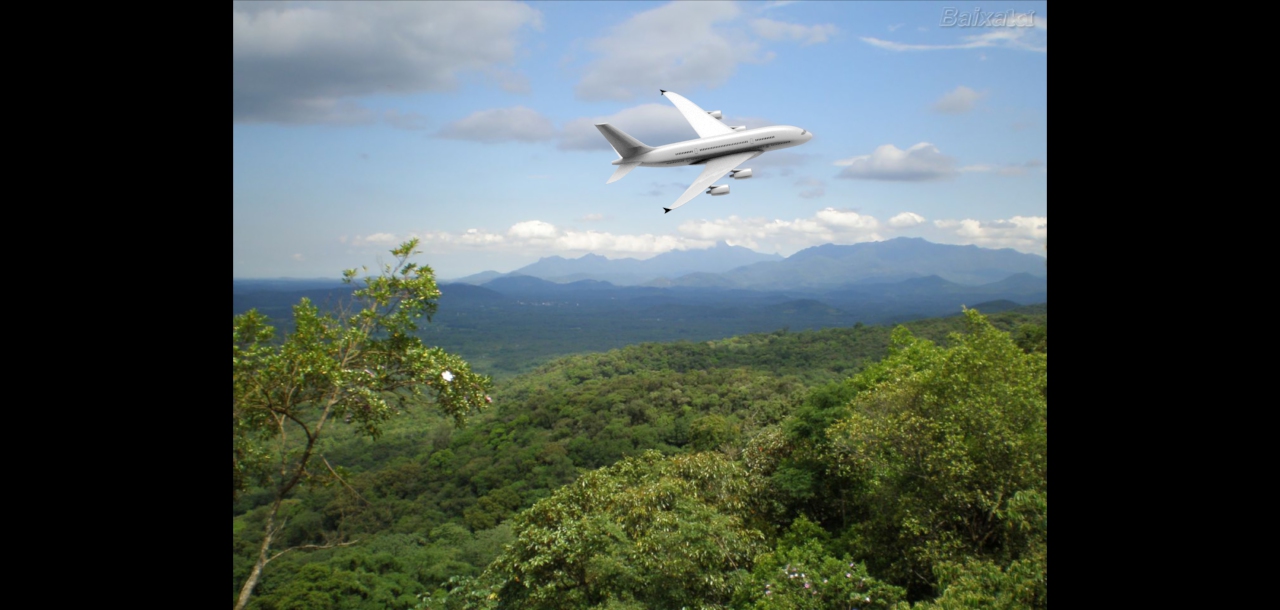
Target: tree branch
column 344, row 481
column 312, row 547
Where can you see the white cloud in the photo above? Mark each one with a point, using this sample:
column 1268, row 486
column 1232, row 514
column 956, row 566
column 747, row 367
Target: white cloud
column 831, row 225
column 958, row 101
column 770, row 29
column 905, row 220
column 593, row 217
column 471, row 238
column 1023, row 233
column 540, row 238
column 309, row 63
column 677, row 46
column 499, row 125
column 826, row 226
column 375, row 239
column 894, row 27
column 847, row 219
column 532, row 230
column 1023, row 31
column 919, row 163
column 297, row 257
column 594, row 241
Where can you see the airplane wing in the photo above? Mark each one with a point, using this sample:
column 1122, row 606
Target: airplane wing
column 703, row 123
column 714, row 170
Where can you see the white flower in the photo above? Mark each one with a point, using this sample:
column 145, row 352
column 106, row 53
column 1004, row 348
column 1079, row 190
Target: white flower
column 447, row 376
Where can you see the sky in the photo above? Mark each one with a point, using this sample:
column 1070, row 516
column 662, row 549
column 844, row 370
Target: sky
column 470, row 125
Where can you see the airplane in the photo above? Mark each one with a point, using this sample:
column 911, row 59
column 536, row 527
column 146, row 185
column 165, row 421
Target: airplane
column 719, row 148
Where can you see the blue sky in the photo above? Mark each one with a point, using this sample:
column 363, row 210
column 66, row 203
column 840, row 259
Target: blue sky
column 471, row 126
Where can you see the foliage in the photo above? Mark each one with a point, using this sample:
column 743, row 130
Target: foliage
column 949, row 447
column 363, row 364
column 655, row 531
column 801, row 574
column 431, row 495
column 1032, row 338
column 978, row 583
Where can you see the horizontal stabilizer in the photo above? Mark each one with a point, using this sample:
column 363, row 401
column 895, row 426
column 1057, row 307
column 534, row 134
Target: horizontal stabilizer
column 623, row 169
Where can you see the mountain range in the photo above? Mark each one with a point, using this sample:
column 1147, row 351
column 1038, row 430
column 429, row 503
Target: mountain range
column 629, row 271
column 821, row 268
column 515, row 320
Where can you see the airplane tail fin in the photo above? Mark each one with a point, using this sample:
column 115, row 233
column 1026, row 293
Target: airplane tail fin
column 623, row 144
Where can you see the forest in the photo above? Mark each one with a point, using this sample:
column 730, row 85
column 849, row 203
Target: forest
column 865, row 466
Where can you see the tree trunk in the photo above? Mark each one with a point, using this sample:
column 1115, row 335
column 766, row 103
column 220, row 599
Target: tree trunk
column 252, row 582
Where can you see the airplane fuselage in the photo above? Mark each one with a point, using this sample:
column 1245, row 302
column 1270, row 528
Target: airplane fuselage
column 694, row 152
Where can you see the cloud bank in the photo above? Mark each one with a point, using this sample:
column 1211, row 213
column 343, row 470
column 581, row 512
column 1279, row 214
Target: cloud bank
column 683, row 46
column 308, row 63
column 827, row 225
column 918, row 163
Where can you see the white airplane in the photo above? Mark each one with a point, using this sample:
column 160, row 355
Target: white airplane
column 719, row 148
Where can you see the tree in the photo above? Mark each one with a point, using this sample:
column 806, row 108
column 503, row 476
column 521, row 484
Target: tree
column 363, row 363
column 802, row 574
column 647, row 532
column 949, row 446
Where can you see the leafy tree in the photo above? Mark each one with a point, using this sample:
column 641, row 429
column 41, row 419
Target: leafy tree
column 362, row 363
column 949, row 448
column 801, row 574
column 647, row 532
column 712, row 431
column 1033, row 338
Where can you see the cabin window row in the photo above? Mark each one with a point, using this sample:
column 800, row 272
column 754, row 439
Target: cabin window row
column 724, row 145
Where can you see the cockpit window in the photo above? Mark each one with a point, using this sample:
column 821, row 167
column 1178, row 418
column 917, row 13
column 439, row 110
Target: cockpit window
column 802, row 132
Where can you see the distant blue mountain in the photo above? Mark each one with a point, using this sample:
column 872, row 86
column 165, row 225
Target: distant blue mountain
column 630, row 271
column 830, row 265
column 518, row 283
column 478, row 278
column 455, row 292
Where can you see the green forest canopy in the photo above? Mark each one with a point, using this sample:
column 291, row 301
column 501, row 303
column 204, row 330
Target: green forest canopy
column 830, row 436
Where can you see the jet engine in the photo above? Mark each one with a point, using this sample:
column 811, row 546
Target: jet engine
column 722, row 189
column 740, row 174
column 715, row 114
